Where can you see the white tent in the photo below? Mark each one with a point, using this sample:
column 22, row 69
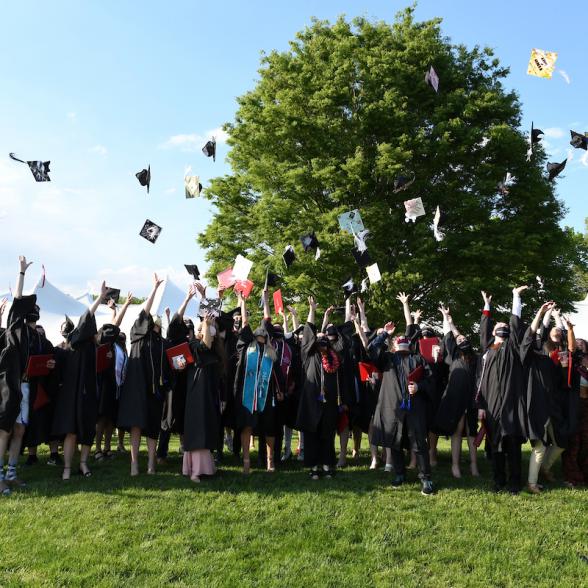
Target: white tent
column 86, row 299
column 580, row 319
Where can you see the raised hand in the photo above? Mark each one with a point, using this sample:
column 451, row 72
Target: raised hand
column 156, row 281
column 402, row 297
column 103, row 290
column 167, row 312
column 200, row 289
column 329, row 310
column 547, row 306
column 111, row 304
column 23, row 263
column 444, row 311
column 389, row 327
column 487, row 297
column 519, row 289
column 129, row 299
column 3, row 304
column 416, row 315
column 312, row 302
column 292, row 310
column 360, row 305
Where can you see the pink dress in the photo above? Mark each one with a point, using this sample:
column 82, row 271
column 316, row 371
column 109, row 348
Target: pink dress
column 198, row 463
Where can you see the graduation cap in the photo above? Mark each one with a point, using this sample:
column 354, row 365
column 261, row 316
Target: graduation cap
column 150, row 231
column 506, row 184
column 439, row 220
column 414, row 209
column 212, row 305
column 365, row 283
column 192, row 186
column 534, row 137
column 271, row 279
column 111, row 294
column 579, row 141
column 309, row 242
column 349, row 287
column 39, row 169
column 210, row 149
column 144, row 177
column 432, row 79
column 193, row 271
column 289, row 255
column 402, row 183
column 360, row 238
column 362, row 258
column 554, row 169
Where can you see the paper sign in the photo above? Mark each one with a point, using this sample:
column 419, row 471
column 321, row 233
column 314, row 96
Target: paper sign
column 414, row 209
column 542, row 63
column 373, row 272
column 241, row 268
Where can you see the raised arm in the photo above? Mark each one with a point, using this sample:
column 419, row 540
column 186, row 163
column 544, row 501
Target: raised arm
column 571, row 336
column 536, row 324
column 267, row 313
column 311, row 310
column 486, row 322
column 149, row 302
column 284, row 322
column 207, row 321
column 327, row 315
column 99, row 299
column 416, row 316
column 3, row 303
column 361, row 333
column 294, row 315
column 362, row 315
column 23, row 266
column 557, row 316
column 189, row 295
column 517, row 328
column 121, row 315
column 243, row 306
column 404, row 300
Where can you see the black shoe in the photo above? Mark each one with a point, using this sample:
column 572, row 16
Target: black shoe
column 398, row 481
column 514, row 491
column 498, row 488
column 55, row 460
column 31, row 460
column 427, row 489
column 329, row 473
column 314, row 474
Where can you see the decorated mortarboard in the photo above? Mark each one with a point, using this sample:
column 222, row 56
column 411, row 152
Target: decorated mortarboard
column 365, row 285
column 289, row 256
column 210, row 149
column 438, row 221
column 414, row 209
column 192, row 186
column 534, row 137
column 144, row 177
column 432, row 79
column 271, row 279
column 212, row 305
column 39, row 169
column 505, row 185
column 579, row 141
column 309, row 242
column 542, row 63
column 349, row 288
column 373, row 272
column 554, row 169
column 150, row 231
column 193, row 271
column 360, row 238
column 351, row 222
column 362, row 258
column 241, row 267
column 402, row 183
column 111, row 294
column 265, row 247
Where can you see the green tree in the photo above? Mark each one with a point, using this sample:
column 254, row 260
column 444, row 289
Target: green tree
column 329, row 125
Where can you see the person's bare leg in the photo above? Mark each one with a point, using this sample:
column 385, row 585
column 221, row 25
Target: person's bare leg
column 4, row 437
column 135, row 444
column 14, row 453
column 433, row 440
column 357, row 434
column 84, row 454
column 245, row 446
column 456, row 448
column 473, row 457
column 413, row 463
column 269, row 443
column 151, row 452
column 69, row 447
column 343, row 440
column 121, row 440
column 99, row 435
column 108, row 430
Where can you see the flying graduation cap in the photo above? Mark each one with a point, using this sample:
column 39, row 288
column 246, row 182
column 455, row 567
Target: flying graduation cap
column 192, row 186
column 579, row 141
column 535, row 137
column 360, row 238
column 362, row 258
column 349, row 288
column 402, row 183
column 111, row 294
column 289, row 255
column 150, row 231
column 39, row 169
column 210, row 149
column 438, row 221
column 309, row 242
column 432, row 79
column 554, row 169
column 144, row 177
column 193, row 271
column 271, row 279
column 506, row 184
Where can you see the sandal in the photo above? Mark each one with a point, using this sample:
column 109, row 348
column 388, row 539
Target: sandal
column 99, row 456
column 108, row 454
column 65, row 477
column 84, row 471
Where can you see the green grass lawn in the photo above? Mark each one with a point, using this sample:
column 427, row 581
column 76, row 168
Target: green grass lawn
column 287, row 530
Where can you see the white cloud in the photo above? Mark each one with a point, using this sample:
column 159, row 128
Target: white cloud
column 194, row 141
column 99, row 149
column 564, row 75
column 170, row 191
column 554, row 132
column 72, row 116
column 584, row 159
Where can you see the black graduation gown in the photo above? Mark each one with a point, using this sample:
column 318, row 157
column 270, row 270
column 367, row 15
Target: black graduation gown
column 40, row 420
column 177, row 333
column 501, row 386
column 312, row 411
column 390, row 420
column 266, row 422
column 202, row 424
column 147, row 382
column 107, row 388
column 228, row 378
column 76, row 408
column 347, row 351
column 294, row 384
column 14, row 355
column 459, row 395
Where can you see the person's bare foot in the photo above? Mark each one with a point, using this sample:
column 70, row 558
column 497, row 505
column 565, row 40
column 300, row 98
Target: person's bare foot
column 195, row 479
column 66, row 475
column 246, row 466
column 134, row 469
column 455, row 472
column 474, row 471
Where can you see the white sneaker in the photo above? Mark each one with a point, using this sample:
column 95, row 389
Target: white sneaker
column 374, row 464
column 389, row 467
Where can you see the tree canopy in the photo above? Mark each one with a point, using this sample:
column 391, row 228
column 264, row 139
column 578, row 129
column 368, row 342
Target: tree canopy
column 335, row 119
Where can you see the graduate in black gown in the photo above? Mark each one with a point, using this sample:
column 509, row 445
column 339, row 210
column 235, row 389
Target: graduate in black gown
column 76, row 407
column 146, row 385
column 323, row 394
column 401, row 412
column 108, row 387
column 457, row 413
column 501, row 401
column 16, row 346
column 257, row 387
column 202, row 415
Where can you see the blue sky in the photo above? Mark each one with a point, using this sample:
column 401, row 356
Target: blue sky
column 104, row 88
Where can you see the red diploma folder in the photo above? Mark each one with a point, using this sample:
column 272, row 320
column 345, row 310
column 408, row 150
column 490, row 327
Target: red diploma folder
column 416, row 375
column 366, row 370
column 244, row 286
column 481, row 434
column 426, row 347
column 37, row 365
column 226, row 278
column 178, row 353
column 103, row 362
column 41, row 398
column 278, row 302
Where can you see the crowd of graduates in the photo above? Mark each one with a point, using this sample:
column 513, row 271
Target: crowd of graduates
column 217, row 382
